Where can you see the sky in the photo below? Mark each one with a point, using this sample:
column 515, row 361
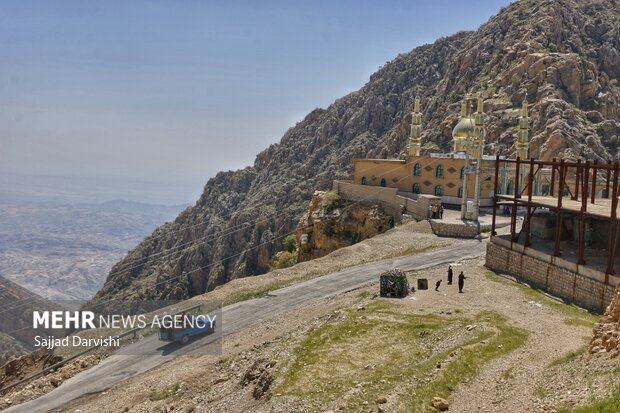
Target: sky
column 171, row 92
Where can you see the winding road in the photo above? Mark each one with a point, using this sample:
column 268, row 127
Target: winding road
column 236, row 317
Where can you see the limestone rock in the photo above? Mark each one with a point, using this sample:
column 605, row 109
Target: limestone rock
column 322, row 229
column 381, row 400
column 606, row 340
column 440, row 404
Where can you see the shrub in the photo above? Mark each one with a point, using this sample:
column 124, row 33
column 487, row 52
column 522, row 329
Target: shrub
column 290, row 243
column 331, row 200
column 284, row 259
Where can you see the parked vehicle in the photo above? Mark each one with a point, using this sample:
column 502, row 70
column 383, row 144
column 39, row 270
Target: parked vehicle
column 198, row 327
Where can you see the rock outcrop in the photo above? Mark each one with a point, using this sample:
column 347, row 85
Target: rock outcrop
column 330, row 224
column 562, row 56
column 606, row 339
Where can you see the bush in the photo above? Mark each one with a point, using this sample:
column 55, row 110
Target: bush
column 290, row 243
column 331, row 200
column 284, row 259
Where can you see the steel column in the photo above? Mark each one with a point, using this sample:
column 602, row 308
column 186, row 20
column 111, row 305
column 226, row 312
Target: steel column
column 594, row 177
column 611, row 249
column 558, row 224
column 495, row 195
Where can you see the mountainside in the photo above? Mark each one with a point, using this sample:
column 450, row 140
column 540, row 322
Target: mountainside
column 563, row 56
column 16, row 306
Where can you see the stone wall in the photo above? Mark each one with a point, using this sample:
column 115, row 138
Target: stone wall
column 392, row 203
column 585, row 288
column 454, row 230
column 386, row 197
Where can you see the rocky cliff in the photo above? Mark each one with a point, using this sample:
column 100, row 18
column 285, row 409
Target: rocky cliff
column 562, row 56
column 332, row 223
column 606, row 340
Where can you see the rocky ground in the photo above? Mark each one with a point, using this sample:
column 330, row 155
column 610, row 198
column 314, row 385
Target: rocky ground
column 32, row 363
column 535, row 347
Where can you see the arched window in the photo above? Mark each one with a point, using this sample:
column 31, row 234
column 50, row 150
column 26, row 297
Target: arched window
column 460, row 192
column 462, row 172
column 439, row 171
column 417, row 169
column 383, row 183
column 363, row 180
column 439, row 190
column 416, row 188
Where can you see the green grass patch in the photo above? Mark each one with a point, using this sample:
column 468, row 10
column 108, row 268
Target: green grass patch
column 609, row 405
column 165, row 393
column 589, row 322
column 257, row 293
column 573, row 355
column 353, row 361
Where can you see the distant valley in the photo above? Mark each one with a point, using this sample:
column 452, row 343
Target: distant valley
column 65, row 250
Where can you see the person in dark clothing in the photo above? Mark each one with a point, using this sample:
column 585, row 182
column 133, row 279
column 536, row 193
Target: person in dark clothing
column 437, row 284
column 441, row 212
column 449, row 275
column 461, row 281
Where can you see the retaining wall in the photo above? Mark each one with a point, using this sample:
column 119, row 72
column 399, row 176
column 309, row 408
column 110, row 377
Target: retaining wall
column 580, row 285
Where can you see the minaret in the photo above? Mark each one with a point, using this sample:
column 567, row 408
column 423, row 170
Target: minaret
column 522, row 145
column 479, row 132
column 479, row 135
column 460, row 142
column 416, row 129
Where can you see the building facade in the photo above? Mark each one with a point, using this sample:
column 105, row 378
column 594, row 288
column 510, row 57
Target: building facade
column 453, row 176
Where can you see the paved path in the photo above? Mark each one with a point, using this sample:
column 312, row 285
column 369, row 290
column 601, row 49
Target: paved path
column 236, row 317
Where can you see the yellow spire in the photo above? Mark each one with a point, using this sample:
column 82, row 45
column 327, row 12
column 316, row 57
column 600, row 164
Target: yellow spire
column 464, row 108
column 416, row 129
column 479, row 131
column 522, row 145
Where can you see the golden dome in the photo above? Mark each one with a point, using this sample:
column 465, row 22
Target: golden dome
column 464, row 129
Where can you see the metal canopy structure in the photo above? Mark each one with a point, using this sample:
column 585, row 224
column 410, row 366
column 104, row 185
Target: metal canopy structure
column 573, row 191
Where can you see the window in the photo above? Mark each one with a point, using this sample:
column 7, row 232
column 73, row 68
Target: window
column 439, row 171
column 416, row 188
column 363, row 180
column 460, row 192
column 383, row 183
column 462, row 172
column 417, row 169
column 439, row 190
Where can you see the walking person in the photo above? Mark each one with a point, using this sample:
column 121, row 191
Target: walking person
column 461, row 281
column 449, row 275
column 441, row 211
column 430, row 211
column 437, row 284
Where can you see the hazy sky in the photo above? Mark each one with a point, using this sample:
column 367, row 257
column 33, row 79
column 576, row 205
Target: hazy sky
column 174, row 91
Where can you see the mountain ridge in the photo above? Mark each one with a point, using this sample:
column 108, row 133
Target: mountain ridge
column 563, row 57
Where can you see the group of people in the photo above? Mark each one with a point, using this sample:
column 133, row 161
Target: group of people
column 450, row 275
column 435, row 211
